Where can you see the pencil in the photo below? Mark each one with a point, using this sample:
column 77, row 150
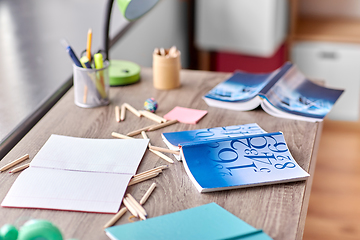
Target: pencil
column 162, row 167
column 161, row 125
column 13, row 163
column 116, row 217
column 152, row 116
column 141, row 179
column 132, row 109
column 162, row 52
column 147, row 194
column 146, row 173
column 161, row 155
column 157, row 51
column 145, row 176
column 123, row 110
column 118, row 135
column 135, row 208
column 117, row 113
column 88, row 45
column 22, row 167
column 160, row 149
column 138, row 131
column 144, row 135
column 85, row 93
column 136, row 204
column 172, row 51
column 130, row 207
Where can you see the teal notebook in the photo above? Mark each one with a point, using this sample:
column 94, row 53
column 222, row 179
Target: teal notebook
column 208, row 221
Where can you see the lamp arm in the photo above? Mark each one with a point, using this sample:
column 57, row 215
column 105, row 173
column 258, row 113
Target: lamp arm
column 107, row 42
column 106, row 37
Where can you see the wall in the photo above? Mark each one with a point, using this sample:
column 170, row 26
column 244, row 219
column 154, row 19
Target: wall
column 164, row 26
column 329, row 8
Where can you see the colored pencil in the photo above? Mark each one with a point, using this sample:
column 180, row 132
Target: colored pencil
column 13, row 163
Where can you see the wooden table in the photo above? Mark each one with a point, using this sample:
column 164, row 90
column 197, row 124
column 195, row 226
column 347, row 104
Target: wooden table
column 280, row 209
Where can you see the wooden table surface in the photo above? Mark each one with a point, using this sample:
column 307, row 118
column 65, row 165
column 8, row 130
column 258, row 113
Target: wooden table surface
column 280, row 209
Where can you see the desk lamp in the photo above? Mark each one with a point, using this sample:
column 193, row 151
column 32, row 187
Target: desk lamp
column 124, row 72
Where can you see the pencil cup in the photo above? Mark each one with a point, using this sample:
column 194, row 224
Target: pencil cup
column 91, row 86
column 166, row 71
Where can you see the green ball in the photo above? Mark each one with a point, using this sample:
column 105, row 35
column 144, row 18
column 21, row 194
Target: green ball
column 8, row 232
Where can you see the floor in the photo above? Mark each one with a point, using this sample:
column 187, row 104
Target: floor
column 334, row 208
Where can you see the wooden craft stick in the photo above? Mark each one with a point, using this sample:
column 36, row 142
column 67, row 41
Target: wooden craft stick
column 117, row 113
column 130, row 207
column 141, row 179
column 161, row 125
column 132, row 109
column 85, row 93
column 138, row 131
column 160, row 149
column 118, row 135
column 123, row 110
column 147, row 194
column 136, row 204
column 161, row 155
column 22, row 167
column 152, row 116
column 13, row 163
column 116, row 217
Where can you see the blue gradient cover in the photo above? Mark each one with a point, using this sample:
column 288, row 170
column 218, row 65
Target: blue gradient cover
column 241, row 162
column 192, row 136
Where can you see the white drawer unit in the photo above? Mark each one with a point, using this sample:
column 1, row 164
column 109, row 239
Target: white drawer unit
column 256, row 28
column 338, row 64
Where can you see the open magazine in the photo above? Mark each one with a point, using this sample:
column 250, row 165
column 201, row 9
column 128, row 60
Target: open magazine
column 284, row 93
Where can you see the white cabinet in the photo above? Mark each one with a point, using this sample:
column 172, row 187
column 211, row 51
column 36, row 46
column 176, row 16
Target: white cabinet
column 338, row 64
column 252, row 27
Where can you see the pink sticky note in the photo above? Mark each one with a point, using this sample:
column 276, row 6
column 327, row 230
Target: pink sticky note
column 185, row 115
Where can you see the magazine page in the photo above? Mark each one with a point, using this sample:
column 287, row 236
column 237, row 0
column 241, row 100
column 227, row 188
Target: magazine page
column 240, row 87
column 294, row 94
column 241, row 162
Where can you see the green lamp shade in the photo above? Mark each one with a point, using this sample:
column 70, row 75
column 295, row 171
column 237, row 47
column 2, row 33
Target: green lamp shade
column 134, row 9
column 123, row 73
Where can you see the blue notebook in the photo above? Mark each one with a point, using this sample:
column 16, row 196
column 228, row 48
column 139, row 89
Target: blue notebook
column 174, row 139
column 237, row 162
column 210, row 222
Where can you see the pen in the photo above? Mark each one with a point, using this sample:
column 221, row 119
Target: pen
column 88, row 45
column 71, row 53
